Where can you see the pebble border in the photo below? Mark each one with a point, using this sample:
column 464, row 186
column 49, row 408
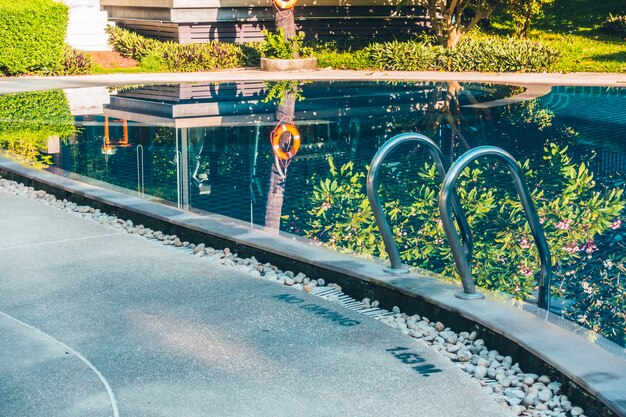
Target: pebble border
column 525, row 394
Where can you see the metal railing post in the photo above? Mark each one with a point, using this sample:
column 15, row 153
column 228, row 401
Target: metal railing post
column 372, row 194
column 446, row 198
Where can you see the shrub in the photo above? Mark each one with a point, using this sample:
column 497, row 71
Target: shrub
column 171, row 56
column 470, row 54
column 32, row 35
column 153, row 62
column 615, row 25
column 499, row 55
column 403, row 56
column 74, row 62
column 28, row 119
column 200, row 56
column 130, row 44
column 276, row 46
column 345, row 60
column 251, row 53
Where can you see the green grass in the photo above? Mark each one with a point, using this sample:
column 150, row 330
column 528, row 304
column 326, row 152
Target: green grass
column 586, row 54
column 573, row 28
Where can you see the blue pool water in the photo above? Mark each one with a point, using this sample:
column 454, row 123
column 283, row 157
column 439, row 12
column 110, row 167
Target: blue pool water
column 208, row 148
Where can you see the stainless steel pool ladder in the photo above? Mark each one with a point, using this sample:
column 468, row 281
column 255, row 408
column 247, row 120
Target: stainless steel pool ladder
column 372, row 194
column 448, row 205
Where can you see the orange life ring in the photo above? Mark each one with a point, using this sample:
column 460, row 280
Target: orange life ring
column 295, row 135
column 285, row 4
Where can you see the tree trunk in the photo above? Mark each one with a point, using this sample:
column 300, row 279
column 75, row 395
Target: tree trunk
column 284, row 19
column 276, row 193
column 435, row 23
column 523, row 31
column 454, row 36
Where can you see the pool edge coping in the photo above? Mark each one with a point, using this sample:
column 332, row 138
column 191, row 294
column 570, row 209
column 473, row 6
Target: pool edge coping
column 517, row 322
column 34, row 83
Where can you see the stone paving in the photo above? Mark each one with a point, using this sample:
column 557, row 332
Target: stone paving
column 97, row 322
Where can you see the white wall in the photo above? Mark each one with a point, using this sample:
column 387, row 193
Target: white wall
column 86, row 27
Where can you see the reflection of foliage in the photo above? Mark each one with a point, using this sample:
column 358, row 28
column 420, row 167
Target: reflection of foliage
column 573, row 215
column 278, row 90
column 163, row 164
column 596, row 289
column 131, row 87
column 531, row 111
column 27, row 120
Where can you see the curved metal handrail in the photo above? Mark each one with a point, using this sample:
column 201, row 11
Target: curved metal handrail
column 445, row 205
column 381, row 221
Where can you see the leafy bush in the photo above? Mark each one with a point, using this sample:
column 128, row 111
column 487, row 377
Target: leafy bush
column 345, row 60
column 74, row 62
column 28, row 119
column 471, row 54
column 130, row 44
column 200, row 56
column 276, row 46
column 171, row 56
column 500, row 55
column 615, row 25
column 251, row 53
column 404, row 56
column 32, row 35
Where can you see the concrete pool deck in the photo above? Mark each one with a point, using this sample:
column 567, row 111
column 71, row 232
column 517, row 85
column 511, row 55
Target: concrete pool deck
column 96, row 322
column 21, row 84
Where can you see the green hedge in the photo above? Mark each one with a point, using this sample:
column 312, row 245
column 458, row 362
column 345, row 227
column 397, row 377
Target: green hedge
column 28, row 119
column 478, row 53
column 32, row 35
column 495, row 54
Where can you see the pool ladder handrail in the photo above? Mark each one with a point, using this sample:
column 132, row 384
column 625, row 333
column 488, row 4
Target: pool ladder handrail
column 372, row 194
column 448, row 205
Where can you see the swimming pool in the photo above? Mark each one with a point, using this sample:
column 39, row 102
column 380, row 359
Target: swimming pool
column 207, row 147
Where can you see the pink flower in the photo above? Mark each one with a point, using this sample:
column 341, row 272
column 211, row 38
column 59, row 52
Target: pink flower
column 616, row 224
column 526, row 271
column 590, row 246
column 564, row 225
column 571, row 248
column 524, row 243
